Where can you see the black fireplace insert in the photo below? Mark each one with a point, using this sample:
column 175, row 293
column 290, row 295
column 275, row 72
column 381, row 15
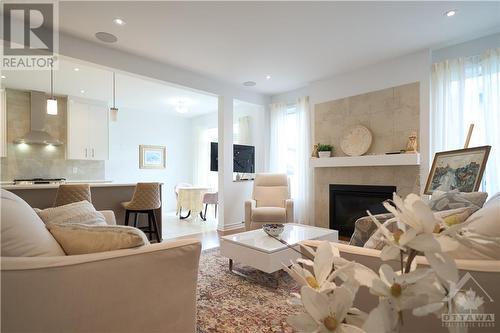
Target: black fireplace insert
column 350, row 202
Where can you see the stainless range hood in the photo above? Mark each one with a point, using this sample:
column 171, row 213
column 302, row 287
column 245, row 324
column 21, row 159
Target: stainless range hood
column 37, row 134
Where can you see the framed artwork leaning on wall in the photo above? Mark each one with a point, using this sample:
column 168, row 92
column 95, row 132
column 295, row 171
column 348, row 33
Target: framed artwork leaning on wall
column 460, row 169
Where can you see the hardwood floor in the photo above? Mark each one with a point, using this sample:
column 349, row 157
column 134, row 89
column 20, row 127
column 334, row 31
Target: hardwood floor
column 209, row 239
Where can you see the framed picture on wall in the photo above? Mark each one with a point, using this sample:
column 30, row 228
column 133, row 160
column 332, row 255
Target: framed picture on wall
column 460, row 169
column 152, row 157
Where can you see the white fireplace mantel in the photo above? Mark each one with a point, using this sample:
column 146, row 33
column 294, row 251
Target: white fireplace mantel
column 366, row 160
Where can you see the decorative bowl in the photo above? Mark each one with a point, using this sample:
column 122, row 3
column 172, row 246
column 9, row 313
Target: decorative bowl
column 273, row 229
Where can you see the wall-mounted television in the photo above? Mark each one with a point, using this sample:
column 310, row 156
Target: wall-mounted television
column 243, row 158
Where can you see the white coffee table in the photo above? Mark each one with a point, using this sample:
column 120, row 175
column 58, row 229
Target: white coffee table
column 257, row 249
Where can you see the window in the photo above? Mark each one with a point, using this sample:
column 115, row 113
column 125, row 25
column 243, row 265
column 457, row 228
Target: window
column 466, row 91
column 291, row 146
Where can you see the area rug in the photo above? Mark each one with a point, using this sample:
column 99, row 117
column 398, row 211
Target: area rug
column 230, row 303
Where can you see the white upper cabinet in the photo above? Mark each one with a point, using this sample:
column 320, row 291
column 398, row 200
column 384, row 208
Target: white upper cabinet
column 3, row 123
column 88, row 131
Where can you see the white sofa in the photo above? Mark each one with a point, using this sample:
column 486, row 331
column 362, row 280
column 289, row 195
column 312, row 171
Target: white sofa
column 147, row 289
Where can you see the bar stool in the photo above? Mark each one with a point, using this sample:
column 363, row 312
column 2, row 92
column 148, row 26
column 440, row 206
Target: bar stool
column 145, row 200
column 69, row 193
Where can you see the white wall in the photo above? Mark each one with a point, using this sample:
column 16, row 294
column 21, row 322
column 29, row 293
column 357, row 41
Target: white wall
column 151, row 127
column 394, row 72
column 236, row 193
column 98, row 54
column 469, row 48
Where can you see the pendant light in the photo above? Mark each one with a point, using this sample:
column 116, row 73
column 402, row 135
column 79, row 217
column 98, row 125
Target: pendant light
column 52, row 101
column 114, row 110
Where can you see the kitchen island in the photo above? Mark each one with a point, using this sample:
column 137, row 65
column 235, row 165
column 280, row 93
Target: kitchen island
column 105, row 196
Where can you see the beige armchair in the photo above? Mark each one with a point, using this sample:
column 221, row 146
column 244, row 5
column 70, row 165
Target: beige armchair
column 271, row 202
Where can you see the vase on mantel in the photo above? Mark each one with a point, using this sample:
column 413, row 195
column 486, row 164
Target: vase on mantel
column 323, row 154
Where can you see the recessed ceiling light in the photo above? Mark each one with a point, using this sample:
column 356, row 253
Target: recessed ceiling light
column 82, row 91
column 268, row 77
column 76, row 69
column 249, row 84
column 118, row 21
column 106, row 37
column 181, row 106
column 4, row 77
column 450, row 13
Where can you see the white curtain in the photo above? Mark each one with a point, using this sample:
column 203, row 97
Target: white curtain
column 467, row 90
column 290, row 152
column 278, row 144
column 302, row 200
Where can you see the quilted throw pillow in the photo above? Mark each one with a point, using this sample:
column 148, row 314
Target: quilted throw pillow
column 364, row 228
column 78, row 238
column 77, row 212
column 454, row 199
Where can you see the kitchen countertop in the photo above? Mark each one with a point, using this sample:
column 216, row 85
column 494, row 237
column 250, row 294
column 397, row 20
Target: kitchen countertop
column 11, row 186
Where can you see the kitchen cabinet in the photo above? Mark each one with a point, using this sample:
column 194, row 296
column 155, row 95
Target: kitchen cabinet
column 3, row 124
column 88, row 130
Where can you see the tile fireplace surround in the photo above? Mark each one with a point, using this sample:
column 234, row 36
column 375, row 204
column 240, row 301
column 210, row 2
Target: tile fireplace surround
column 391, row 115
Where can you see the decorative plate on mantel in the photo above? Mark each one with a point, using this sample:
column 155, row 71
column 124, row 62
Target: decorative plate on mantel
column 357, row 141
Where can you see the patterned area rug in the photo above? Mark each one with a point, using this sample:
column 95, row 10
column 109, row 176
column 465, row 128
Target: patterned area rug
column 230, row 303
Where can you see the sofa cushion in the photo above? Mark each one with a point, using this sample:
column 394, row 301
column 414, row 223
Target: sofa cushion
column 79, row 238
column 454, row 199
column 23, row 233
column 77, row 212
column 364, row 228
column 450, row 217
column 486, row 221
column 269, row 214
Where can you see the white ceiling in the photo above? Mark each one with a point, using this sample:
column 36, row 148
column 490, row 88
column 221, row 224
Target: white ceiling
column 295, row 42
column 131, row 91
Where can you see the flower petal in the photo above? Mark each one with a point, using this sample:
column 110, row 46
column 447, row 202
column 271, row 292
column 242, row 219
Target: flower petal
column 315, row 303
column 387, row 274
column 443, row 265
column 424, row 215
column 424, row 242
column 346, row 328
column 295, row 274
column 381, row 319
column 341, row 302
column 407, row 236
column 416, row 275
column 427, row 309
column 323, row 262
column 379, row 288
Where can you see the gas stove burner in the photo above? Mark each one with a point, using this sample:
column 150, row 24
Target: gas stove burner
column 36, row 181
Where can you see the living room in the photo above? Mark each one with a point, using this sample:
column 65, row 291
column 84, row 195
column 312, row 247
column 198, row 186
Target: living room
column 237, row 150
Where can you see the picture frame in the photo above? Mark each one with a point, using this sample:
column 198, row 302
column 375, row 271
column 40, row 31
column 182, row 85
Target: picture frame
column 460, row 169
column 152, row 157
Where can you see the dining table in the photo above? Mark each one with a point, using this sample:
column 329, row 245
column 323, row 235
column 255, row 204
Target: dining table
column 191, row 199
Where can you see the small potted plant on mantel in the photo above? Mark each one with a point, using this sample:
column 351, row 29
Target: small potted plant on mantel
column 324, row 150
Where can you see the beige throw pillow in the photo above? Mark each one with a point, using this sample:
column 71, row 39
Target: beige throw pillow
column 23, row 233
column 78, row 238
column 77, row 212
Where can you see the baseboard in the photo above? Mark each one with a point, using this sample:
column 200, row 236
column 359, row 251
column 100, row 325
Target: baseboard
column 231, row 229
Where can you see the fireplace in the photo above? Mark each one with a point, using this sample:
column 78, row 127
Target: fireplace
column 350, row 202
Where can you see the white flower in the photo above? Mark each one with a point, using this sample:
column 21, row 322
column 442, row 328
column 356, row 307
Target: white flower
column 403, row 291
column 323, row 264
column 324, row 313
column 414, row 213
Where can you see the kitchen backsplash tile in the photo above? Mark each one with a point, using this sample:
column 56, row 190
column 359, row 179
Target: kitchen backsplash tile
column 29, row 161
